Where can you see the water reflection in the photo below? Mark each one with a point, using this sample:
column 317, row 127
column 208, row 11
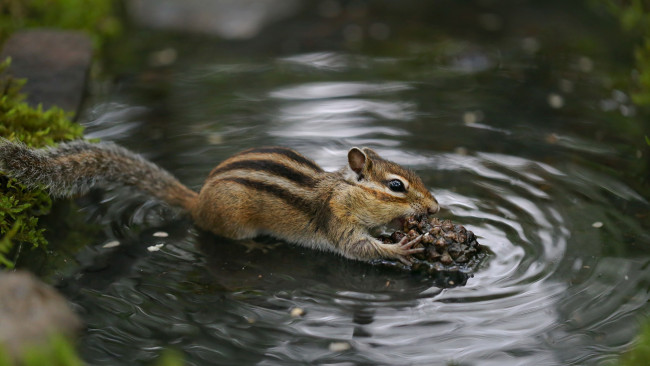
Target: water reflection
column 566, row 280
column 337, row 89
column 223, row 300
column 337, row 119
column 329, row 61
column 613, row 286
column 503, row 309
column 345, row 110
column 112, row 121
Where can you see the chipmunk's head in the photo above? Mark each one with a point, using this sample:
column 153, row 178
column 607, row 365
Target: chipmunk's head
column 384, row 191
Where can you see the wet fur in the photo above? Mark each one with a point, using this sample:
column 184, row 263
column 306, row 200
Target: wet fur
column 269, row 190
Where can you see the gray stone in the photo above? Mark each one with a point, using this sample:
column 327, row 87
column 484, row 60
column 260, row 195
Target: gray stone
column 229, row 19
column 55, row 64
column 31, row 312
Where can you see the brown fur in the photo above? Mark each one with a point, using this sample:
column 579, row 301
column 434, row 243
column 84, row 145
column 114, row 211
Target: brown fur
column 334, row 214
column 266, row 190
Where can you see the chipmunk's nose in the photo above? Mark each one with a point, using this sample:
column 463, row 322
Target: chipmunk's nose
column 433, row 208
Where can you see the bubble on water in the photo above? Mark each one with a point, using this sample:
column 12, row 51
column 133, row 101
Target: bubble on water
column 160, row 234
column 619, row 96
column 585, row 64
column 577, row 264
column 530, row 45
column 555, row 100
column 627, row 111
column 608, row 105
column 597, row 224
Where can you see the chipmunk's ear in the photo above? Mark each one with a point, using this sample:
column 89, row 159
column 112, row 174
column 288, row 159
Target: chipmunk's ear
column 370, row 153
column 358, row 160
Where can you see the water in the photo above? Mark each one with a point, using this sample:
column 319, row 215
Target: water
column 520, row 134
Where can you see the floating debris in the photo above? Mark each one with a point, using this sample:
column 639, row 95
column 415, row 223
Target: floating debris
column 339, row 346
column 297, row 312
column 111, row 244
column 155, row 248
column 471, row 117
column 160, row 234
column 530, row 45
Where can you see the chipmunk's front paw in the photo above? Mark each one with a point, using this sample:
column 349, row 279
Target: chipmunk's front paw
column 405, row 249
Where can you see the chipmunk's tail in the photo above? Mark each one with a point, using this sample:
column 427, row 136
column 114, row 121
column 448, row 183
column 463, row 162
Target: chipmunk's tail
column 73, row 168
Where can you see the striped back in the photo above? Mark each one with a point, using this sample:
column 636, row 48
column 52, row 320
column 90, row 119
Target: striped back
column 278, row 171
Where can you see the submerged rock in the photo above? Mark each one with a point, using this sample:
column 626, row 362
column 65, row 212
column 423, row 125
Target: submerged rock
column 447, row 246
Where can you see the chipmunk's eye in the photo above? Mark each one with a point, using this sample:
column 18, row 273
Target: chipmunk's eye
column 396, row 185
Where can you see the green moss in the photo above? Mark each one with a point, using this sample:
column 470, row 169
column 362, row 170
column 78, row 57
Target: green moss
column 170, row 357
column 33, row 126
column 36, row 127
column 19, row 207
column 96, row 17
column 641, row 95
column 634, row 17
column 640, row 353
column 18, row 222
column 58, row 352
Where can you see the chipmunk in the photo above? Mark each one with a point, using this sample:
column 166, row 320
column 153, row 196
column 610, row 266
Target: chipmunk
column 261, row 191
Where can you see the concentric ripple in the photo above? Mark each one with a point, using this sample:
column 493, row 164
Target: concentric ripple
column 558, row 289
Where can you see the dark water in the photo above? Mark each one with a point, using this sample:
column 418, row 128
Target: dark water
column 510, row 115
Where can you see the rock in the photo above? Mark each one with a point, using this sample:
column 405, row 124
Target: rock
column 229, row 19
column 55, row 64
column 31, row 312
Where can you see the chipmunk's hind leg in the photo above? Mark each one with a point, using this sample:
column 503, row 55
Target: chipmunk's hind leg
column 214, row 210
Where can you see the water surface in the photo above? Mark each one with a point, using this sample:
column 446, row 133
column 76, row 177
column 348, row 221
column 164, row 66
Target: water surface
column 516, row 131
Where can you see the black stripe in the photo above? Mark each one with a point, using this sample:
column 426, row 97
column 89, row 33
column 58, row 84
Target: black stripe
column 324, row 215
column 290, row 198
column 286, row 152
column 270, row 166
